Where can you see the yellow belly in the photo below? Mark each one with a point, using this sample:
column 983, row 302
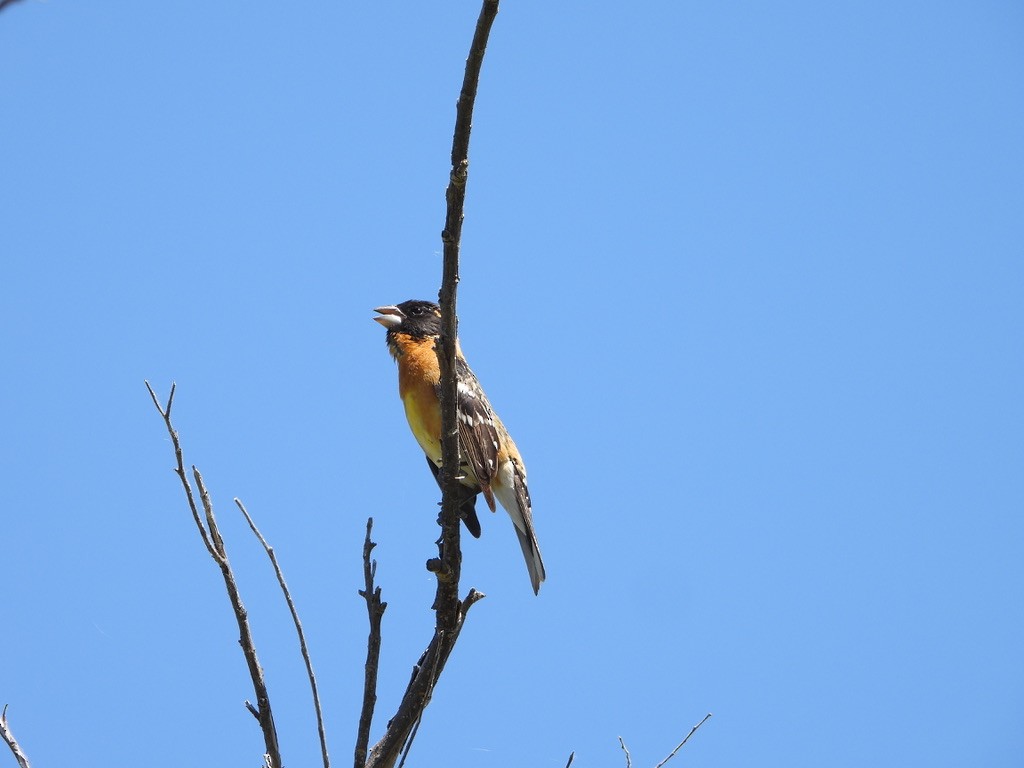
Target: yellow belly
column 425, row 424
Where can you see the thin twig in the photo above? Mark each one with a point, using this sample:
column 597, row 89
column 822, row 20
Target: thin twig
column 375, row 611
column 8, row 737
column 179, row 470
column 416, row 697
column 245, row 639
column 419, row 719
column 215, row 546
column 681, row 743
column 220, row 551
column 298, row 630
column 629, row 762
column 572, row 756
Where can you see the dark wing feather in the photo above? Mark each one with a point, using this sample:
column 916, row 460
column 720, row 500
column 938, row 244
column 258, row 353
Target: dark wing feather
column 527, row 538
column 466, row 502
column 478, row 436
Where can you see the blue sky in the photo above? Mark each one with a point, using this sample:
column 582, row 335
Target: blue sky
column 744, row 280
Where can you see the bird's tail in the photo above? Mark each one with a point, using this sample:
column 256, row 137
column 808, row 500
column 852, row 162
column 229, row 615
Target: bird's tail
column 531, row 553
column 467, row 511
column 516, row 501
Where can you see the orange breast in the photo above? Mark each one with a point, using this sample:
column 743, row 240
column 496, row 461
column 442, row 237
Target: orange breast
column 418, row 375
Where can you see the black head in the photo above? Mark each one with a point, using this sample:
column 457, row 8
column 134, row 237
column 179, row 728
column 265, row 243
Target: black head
column 419, row 319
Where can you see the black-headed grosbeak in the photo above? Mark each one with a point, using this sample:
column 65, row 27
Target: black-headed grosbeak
column 490, row 461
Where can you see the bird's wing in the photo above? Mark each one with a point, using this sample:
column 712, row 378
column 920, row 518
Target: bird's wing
column 478, row 435
column 466, row 501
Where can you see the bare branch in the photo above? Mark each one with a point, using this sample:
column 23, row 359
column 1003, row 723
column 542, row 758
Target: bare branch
column 375, row 610
column 215, row 546
column 419, row 718
column 263, row 711
column 629, row 762
column 451, row 553
column 446, row 602
column 8, row 737
column 220, row 553
column 179, row 470
column 450, row 611
column 417, row 694
column 298, row 629
column 681, row 743
column 572, row 756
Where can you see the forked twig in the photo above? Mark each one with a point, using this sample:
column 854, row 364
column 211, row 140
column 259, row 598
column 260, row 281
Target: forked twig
column 417, row 694
column 165, row 412
column 298, row 630
column 419, row 719
column 375, row 611
column 214, row 542
column 629, row 761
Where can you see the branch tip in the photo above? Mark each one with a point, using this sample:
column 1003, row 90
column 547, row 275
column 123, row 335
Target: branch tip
column 629, row 761
column 215, row 546
column 11, row 742
column 304, row 650
column 683, row 742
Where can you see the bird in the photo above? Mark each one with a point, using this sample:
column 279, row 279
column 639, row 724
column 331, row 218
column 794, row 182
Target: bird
column 490, row 462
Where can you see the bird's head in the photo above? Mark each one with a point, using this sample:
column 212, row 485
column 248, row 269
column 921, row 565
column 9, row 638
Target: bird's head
column 419, row 319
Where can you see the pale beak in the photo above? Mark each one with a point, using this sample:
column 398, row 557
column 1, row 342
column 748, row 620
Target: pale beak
column 390, row 317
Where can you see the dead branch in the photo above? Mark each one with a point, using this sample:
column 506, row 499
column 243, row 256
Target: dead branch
column 419, row 718
column 298, row 630
column 629, row 761
column 447, row 599
column 450, row 611
column 375, row 611
column 9, row 740
column 179, row 470
column 417, row 695
column 686, row 739
column 214, row 542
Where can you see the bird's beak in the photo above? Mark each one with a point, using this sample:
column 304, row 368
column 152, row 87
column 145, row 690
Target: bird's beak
column 390, row 317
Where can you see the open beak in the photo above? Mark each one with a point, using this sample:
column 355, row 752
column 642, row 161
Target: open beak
column 390, row 317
